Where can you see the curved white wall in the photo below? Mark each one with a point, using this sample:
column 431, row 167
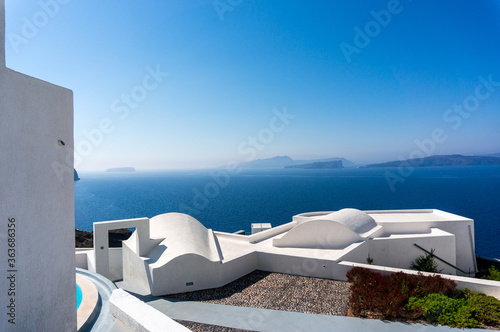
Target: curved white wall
column 175, row 227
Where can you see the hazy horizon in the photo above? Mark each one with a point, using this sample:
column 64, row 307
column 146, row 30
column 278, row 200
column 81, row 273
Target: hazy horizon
column 196, row 85
column 241, row 166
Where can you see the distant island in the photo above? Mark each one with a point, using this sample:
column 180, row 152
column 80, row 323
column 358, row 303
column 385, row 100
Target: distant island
column 121, row 169
column 286, row 161
column 75, row 175
column 444, row 160
column 319, row 165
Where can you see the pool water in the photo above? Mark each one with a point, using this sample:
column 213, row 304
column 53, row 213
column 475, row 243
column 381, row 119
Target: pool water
column 78, row 296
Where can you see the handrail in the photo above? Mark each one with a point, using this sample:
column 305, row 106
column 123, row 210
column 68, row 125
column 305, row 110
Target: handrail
column 442, row 260
column 472, row 248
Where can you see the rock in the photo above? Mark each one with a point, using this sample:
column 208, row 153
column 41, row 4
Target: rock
column 320, row 165
column 444, row 160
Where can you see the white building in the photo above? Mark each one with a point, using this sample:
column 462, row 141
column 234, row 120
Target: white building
column 175, row 253
column 37, row 285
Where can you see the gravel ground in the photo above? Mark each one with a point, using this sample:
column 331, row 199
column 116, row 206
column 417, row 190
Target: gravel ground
column 277, row 291
column 197, row 327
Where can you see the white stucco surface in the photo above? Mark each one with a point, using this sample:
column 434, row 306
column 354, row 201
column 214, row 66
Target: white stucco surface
column 421, row 221
column 102, row 253
column 35, row 118
column 318, row 234
column 172, row 227
column 140, row 317
column 2, row 33
column 398, row 250
column 358, row 221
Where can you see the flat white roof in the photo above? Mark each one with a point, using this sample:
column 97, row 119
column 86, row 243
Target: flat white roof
column 397, row 216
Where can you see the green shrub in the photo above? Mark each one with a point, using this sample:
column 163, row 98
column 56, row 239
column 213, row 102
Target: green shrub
column 468, row 310
column 432, row 305
column 444, row 310
column 487, row 308
column 494, row 274
column 462, row 317
column 425, row 263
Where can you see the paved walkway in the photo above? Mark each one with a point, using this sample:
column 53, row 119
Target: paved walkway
column 273, row 320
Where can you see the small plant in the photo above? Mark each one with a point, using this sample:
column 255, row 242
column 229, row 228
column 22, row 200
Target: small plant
column 494, row 274
column 425, row 263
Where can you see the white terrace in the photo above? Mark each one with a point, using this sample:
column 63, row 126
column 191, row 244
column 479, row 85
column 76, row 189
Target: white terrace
column 174, row 253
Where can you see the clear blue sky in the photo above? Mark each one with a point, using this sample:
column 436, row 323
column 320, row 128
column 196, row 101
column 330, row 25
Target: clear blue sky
column 230, row 63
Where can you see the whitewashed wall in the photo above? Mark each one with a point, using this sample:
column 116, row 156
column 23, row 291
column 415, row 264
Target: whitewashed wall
column 2, row 33
column 34, row 117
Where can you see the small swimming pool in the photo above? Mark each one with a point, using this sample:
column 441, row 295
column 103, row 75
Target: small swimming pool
column 88, row 299
column 78, row 296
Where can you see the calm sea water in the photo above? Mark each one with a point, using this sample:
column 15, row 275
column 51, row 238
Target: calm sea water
column 233, row 203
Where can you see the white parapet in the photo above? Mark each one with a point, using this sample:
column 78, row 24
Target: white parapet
column 139, row 316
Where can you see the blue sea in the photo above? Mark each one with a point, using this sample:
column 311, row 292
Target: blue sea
column 230, row 203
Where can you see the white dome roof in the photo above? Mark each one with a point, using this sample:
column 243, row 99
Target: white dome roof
column 354, row 219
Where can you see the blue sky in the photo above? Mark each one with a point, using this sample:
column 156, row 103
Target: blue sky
column 194, row 84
